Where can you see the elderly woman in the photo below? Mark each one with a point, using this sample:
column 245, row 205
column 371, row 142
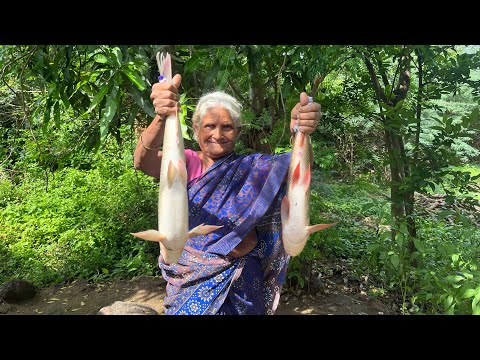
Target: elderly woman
column 239, row 268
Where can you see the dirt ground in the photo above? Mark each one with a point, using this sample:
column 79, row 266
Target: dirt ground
column 336, row 296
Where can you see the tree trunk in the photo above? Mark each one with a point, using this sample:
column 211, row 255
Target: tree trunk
column 257, row 103
column 402, row 198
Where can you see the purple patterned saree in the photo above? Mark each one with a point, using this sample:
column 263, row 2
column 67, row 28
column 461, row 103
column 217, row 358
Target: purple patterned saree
column 241, row 193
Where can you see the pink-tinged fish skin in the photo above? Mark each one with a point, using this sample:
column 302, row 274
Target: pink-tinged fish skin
column 295, row 208
column 173, row 233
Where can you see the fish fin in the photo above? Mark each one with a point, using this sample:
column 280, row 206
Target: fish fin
column 306, row 178
column 314, row 228
column 296, row 175
column 285, row 209
column 170, row 173
column 167, row 67
column 182, row 171
column 203, row 229
column 150, row 235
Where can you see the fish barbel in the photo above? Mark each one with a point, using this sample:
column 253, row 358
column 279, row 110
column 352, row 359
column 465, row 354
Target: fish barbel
column 295, row 208
column 173, row 230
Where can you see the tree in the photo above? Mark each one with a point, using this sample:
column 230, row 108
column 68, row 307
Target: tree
column 414, row 165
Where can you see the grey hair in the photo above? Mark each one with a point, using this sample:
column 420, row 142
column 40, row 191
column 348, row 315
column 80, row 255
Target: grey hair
column 214, row 99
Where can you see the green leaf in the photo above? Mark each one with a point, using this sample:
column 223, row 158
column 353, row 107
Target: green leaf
column 183, row 125
column 56, row 114
column 135, row 78
column 373, row 247
column 455, row 278
column 222, row 79
column 395, row 260
column 102, row 59
column 404, row 228
column 133, row 114
column 463, row 219
column 448, row 301
column 419, row 245
column 118, row 55
column 97, row 98
column 212, row 74
column 476, row 302
column 65, row 100
column 108, row 113
column 399, row 238
column 46, row 115
column 367, row 206
column 192, row 63
column 468, row 294
column 443, row 214
column 138, row 98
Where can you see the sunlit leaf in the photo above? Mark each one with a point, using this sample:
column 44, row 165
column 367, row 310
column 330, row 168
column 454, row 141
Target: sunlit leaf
column 455, row 278
column 102, row 59
column 468, row 293
column 135, row 78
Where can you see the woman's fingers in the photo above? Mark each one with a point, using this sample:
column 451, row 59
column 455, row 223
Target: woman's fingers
column 309, row 108
column 165, row 106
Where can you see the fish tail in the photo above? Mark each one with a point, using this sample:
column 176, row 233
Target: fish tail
column 203, row 229
column 150, row 235
column 314, row 228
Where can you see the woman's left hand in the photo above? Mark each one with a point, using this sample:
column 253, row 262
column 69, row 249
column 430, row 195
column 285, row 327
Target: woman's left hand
column 305, row 115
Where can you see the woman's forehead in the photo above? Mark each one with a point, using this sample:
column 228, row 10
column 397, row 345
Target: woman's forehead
column 218, row 113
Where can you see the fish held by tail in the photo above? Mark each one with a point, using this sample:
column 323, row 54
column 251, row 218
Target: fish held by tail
column 173, row 225
column 295, row 207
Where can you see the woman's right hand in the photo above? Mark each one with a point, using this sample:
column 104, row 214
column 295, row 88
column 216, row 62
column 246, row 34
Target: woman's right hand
column 165, row 97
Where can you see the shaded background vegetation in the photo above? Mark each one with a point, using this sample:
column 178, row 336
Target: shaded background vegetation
column 396, row 159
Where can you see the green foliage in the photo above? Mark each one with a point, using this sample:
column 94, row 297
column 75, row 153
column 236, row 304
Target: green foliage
column 69, row 197
column 341, row 203
column 445, row 274
column 79, row 227
column 448, row 280
column 445, row 278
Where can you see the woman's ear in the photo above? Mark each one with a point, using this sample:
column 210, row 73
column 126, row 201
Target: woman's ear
column 195, row 131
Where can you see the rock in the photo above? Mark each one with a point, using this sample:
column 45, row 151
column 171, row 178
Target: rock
column 17, row 290
column 126, row 308
column 4, row 308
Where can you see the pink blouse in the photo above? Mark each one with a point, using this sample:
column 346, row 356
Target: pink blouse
column 194, row 165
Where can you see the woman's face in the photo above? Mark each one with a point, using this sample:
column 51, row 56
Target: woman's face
column 217, row 133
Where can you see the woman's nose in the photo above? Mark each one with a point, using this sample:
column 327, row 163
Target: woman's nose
column 217, row 133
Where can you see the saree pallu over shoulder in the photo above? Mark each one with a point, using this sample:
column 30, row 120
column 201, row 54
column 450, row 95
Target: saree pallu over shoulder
column 241, row 193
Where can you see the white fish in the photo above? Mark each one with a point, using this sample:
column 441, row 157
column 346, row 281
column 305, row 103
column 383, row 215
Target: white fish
column 172, row 233
column 295, row 208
